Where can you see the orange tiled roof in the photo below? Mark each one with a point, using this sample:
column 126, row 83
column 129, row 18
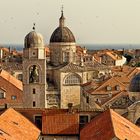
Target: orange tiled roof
column 47, row 49
column 16, row 53
column 97, row 58
column 134, row 72
column 113, row 55
column 122, row 93
column 17, row 83
column 14, row 126
column 5, row 49
column 112, row 125
column 101, row 89
column 60, row 123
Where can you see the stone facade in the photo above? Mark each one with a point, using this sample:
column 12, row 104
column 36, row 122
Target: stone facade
column 34, row 71
column 58, row 82
column 62, row 53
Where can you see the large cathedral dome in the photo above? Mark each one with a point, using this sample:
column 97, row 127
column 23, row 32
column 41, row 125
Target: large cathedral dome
column 62, row 33
column 135, row 84
column 33, row 39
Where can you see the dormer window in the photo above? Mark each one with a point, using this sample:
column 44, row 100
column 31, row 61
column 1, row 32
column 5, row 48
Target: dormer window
column 117, row 87
column 108, row 88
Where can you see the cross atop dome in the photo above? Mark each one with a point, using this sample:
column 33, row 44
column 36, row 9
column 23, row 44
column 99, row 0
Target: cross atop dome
column 62, row 10
column 33, row 27
column 62, row 18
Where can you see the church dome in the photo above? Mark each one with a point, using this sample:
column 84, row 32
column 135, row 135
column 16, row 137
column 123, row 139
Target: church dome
column 62, row 33
column 135, row 84
column 33, row 39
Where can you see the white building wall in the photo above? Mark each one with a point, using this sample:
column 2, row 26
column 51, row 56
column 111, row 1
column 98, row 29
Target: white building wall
column 120, row 62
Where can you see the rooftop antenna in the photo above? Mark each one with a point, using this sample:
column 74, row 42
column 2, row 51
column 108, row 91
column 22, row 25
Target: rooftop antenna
column 33, row 26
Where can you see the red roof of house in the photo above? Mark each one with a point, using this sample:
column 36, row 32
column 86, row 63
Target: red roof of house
column 14, row 126
column 5, row 49
column 60, row 123
column 47, row 49
column 7, row 76
column 109, row 125
column 11, row 87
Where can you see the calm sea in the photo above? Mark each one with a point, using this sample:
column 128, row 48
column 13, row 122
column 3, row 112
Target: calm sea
column 19, row 47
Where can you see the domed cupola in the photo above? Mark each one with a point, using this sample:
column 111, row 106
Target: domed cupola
column 134, row 88
column 62, row 44
column 135, row 84
column 62, row 33
column 33, row 40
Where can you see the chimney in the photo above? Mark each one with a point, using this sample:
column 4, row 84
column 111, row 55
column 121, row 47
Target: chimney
column 5, row 106
column 81, row 61
column 9, row 49
column 70, row 107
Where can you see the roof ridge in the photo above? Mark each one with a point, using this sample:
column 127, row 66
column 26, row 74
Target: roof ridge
column 128, row 74
column 112, row 123
column 103, row 84
column 18, row 113
column 116, row 95
column 127, row 123
column 119, row 81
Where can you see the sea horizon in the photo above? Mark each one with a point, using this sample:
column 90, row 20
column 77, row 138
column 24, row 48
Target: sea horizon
column 20, row 47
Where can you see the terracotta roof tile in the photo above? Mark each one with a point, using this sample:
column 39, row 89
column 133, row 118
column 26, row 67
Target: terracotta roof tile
column 114, row 97
column 60, row 123
column 5, row 49
column 112, row 82
column 112, row 125
column 14, row 126
column 71, row 67
column 113, row 55
column 17, row 83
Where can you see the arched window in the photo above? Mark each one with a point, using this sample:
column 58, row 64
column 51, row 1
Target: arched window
column 34, row 74
column 72, row 79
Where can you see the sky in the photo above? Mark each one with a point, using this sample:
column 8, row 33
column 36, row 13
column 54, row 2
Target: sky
column 91, row 21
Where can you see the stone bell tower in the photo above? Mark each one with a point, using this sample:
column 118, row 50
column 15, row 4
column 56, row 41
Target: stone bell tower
column 34, row 71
